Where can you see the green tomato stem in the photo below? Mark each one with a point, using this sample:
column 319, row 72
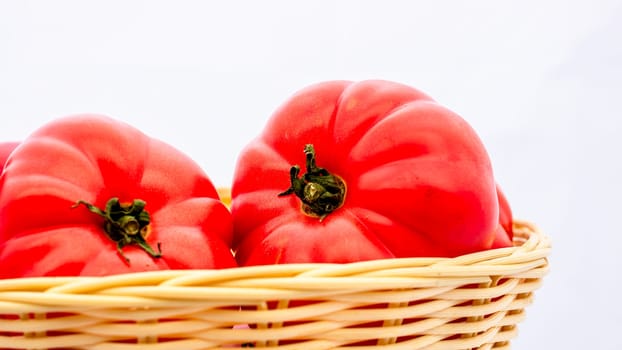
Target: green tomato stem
column 320, row 192
column 125, row 224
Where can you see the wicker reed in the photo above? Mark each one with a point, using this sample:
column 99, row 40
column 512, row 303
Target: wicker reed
column 469, row 302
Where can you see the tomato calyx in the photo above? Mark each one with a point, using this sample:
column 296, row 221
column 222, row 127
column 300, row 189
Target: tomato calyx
column 320, row 191
column 125, row 224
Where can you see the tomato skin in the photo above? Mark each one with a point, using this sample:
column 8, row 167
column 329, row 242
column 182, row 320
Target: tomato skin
column 94, row 158
column 419, row 180
column 505, row 231
column 5, row 151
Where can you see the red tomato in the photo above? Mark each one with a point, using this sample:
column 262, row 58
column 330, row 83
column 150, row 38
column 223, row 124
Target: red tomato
column 388, row 173
column 89, row 195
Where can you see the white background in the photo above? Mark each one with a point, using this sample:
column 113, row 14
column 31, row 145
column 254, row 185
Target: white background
column 540, row 81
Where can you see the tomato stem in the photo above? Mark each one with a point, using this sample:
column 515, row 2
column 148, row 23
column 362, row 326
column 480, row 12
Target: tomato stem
column 125, row 224
column 320, row 191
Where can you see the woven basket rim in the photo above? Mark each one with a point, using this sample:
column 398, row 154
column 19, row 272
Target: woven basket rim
column 414, row 303
column 531, row 248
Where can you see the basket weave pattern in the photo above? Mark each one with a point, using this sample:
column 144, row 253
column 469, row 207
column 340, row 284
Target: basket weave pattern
column 469, row 302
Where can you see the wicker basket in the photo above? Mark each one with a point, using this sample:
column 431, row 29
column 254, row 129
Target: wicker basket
column 469, row 302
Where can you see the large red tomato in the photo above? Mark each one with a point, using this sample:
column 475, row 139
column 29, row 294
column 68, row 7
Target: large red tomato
column 90, row 195
column 349, row 171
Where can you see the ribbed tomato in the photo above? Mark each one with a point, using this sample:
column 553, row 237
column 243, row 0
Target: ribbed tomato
column 349, row 171
column 90, row 195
